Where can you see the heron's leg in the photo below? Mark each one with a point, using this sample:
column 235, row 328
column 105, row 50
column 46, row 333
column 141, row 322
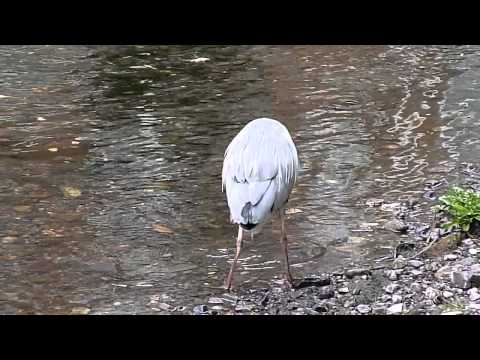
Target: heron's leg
column 285, row 249
column 228, row 280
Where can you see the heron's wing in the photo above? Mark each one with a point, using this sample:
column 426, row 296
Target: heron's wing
column 259, row 170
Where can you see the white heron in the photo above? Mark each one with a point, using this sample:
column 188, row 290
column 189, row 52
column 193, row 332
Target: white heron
column 259, row 171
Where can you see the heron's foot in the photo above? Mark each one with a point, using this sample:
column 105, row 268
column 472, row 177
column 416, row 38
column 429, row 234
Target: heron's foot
column 289, row 280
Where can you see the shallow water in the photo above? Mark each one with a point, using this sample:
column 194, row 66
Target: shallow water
column 140, row 131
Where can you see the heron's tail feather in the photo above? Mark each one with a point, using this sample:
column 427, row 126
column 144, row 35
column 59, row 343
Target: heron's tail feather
column 251, row 203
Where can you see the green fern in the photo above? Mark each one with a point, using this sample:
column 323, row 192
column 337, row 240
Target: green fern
column 463, row 206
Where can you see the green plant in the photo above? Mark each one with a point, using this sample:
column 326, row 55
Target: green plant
column 462, row 206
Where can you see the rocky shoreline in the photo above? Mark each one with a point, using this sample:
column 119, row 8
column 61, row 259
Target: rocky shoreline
column 433, row 272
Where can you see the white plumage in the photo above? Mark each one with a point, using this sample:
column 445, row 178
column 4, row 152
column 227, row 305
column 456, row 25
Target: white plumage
column 259, row 171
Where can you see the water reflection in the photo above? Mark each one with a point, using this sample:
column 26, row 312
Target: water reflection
column 141, row 130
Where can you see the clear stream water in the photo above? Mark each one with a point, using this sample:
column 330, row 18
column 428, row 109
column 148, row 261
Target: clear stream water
column 140, row 133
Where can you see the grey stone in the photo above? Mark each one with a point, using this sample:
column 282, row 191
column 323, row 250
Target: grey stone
column 450, row 257
column 468, row 242
column 461, row 279
column 395, row 309
column 356, row 272
column 399, row 263
column 396, row 225
column 433, row 266
column 374, row 202
column 343, row 290
column 200, row 309
column 363, row 309
column 416, row 273
column 416, row 287
column 431, row 293
column 392, row 275
column 215, row 300
column 473, row 251
column 391, row 288
column 474, row 306
column 415, row 263
column 325, row 292
column 447, row 294
column 396, row 299
column 473, row 294
column 378, row 310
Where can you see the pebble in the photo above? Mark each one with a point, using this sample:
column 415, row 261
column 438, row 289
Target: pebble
column 215, row 300
column 433, row 266
column 416, row 287
column 432, row 293
column 473, row 294
column 390, row 207
column 326, row 292
column 392, row 275
column 363, row 309
column 343, row 290
column 415, row 263
column 450, row 257
column 391, row 288
column 395, row 309
column 395, row 225
column 165, row 306
column 467, row 242
column 416, row 273
column 399, row 263
column 447, row 294
column 452, row 313
column 461, row 279
column 356, row 272
column 374, row 202
column 200, row 309
column 396, row 299
column 473, row 251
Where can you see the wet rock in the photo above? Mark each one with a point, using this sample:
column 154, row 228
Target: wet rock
column 390, row 207
column 80, row 310
column 200, row 309
column 325, row 292
column 399, row 263
column 396, row 225
column 396, row 299
column 357, row 272
column 363, row 309
column 165, row 307
column 415, row 263
column 416, row 273
column 244, row 308
column 468, row 242
column 391, row 288
column 374, row 202
column 314, row 281
column 474, row 306
column 379, row 310
column 461, row 279
column 215, row 300
column 392, row 275
column 433, row 266
column 395, row 309
column 321, row 308
column 431, row 293
column 416, row 287
column 473, row 294
column 9, row 239
column 22, row 208
column 454, row 312
column 473, row 251
column 447, row 294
